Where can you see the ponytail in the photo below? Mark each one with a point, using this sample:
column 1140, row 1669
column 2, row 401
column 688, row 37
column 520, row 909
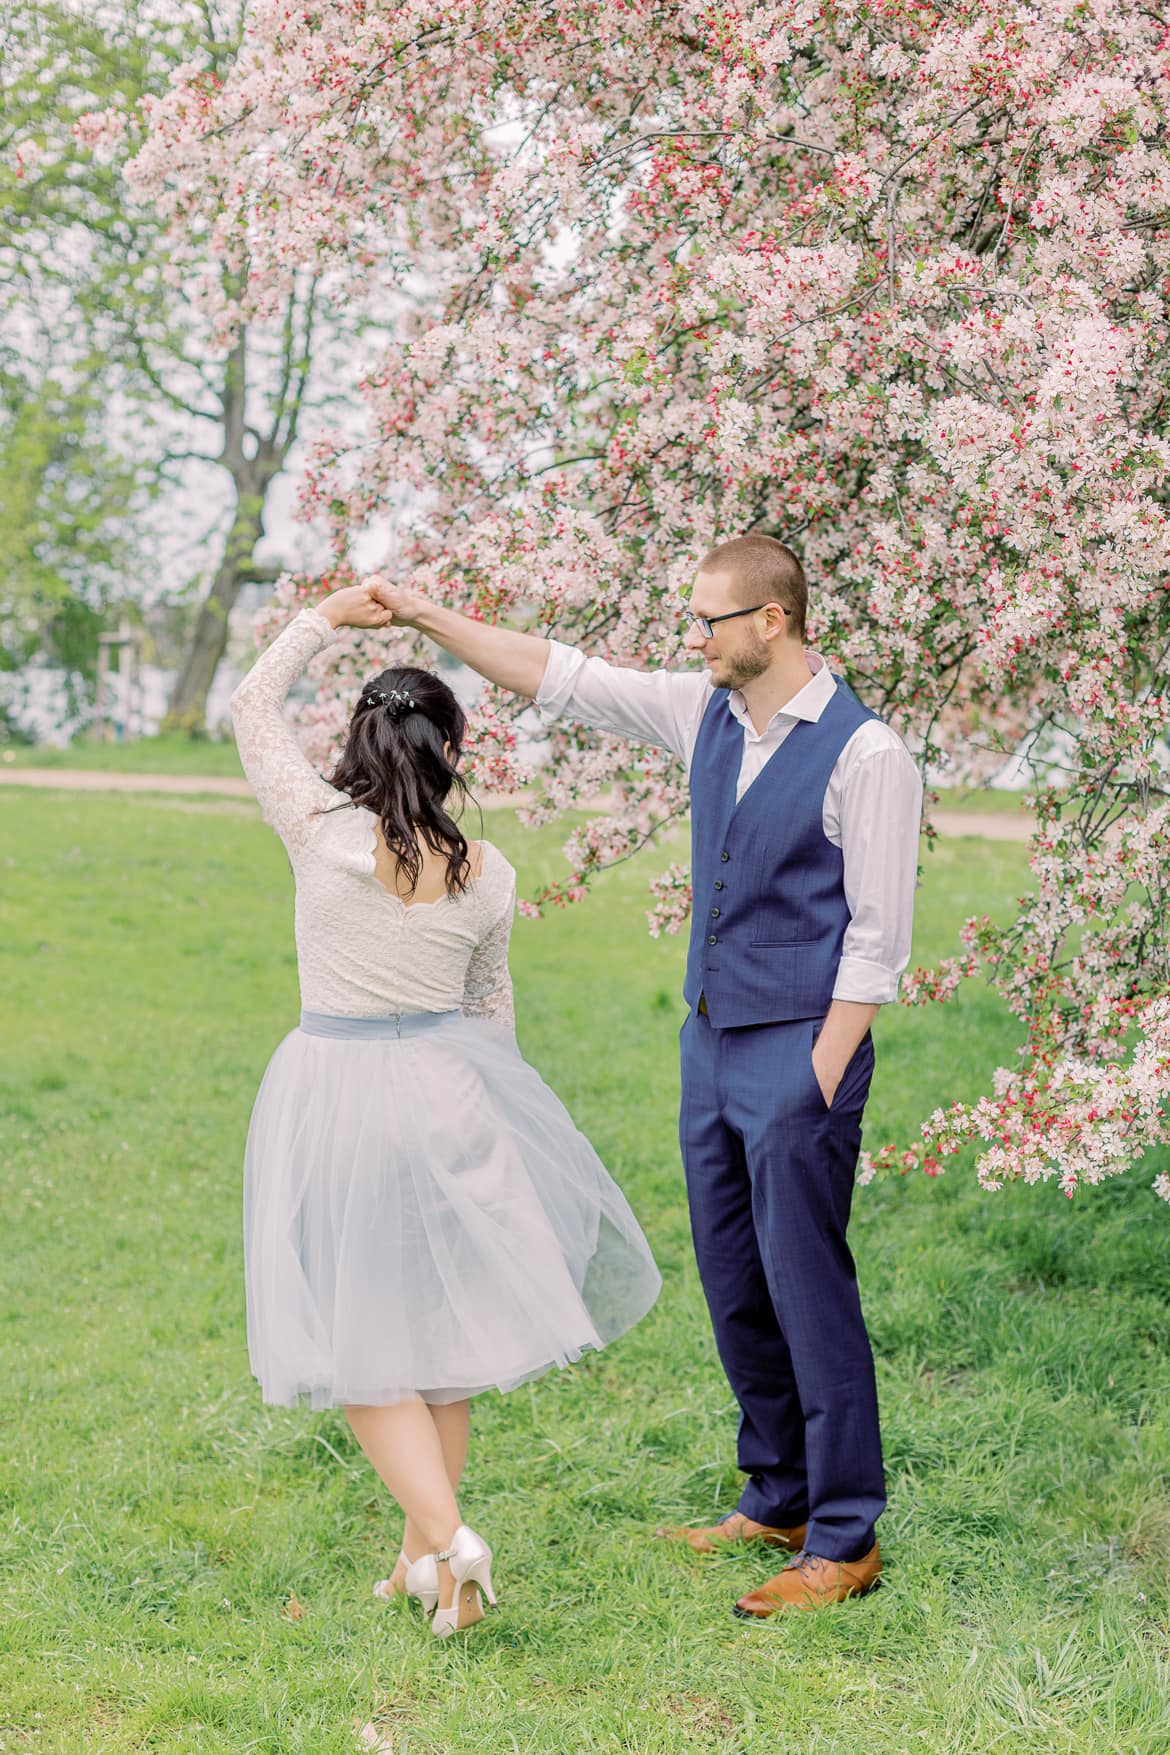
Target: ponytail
column 395, row 763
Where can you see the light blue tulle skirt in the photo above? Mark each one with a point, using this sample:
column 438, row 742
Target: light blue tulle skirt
column 421, row 1216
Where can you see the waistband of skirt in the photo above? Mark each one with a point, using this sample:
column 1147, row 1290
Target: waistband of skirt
column 397, row 1025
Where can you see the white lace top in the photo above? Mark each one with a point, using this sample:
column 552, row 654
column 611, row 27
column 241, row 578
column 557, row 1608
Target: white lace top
column 361, row 951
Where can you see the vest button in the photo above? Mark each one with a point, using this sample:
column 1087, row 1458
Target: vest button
column 714, row 913
column 718, row 883
column 725, row 857
column 712, row 940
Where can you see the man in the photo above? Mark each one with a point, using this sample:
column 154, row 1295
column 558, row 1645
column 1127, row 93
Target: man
column 805, row 819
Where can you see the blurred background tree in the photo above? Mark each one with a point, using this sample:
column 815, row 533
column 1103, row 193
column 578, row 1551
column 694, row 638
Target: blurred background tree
column 114, row 394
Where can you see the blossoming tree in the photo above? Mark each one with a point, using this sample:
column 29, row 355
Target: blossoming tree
column 886, row 278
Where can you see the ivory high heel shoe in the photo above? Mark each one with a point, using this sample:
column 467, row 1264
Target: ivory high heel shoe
column 470, row 1560
column 422, row 1582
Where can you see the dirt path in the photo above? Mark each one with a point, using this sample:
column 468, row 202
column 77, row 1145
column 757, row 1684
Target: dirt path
column 98, row 780
column 985, row 825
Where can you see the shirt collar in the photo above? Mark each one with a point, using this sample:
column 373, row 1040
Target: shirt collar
column 807, row 703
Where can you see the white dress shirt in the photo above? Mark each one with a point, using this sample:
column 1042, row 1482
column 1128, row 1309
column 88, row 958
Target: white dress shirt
column 873, row 802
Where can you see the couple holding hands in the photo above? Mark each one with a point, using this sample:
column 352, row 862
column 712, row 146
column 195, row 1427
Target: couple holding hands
column 422, row 1219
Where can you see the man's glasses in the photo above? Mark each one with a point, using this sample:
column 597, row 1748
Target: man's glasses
column 705, row 623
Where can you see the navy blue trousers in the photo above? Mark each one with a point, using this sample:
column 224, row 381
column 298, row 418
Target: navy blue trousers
column 770, row 1174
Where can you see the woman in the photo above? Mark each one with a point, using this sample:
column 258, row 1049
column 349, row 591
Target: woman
column 422, row 1220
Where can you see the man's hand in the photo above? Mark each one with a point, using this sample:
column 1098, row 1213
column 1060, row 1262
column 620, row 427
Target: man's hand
column 404, row 603
column 354, row 606
column 842, row 1034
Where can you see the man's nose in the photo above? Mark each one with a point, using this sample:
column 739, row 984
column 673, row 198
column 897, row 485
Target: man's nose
column 694, row 638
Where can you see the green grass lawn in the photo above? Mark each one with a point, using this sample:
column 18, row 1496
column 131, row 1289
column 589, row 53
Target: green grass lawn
column 161, row 1525
column 143, row 755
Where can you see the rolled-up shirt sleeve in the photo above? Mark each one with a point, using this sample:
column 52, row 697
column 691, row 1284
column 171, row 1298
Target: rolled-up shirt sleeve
column 662, row 707
column 880, row 815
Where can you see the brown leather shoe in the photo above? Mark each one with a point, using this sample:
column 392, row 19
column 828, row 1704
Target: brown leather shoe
column 809, row 1582
column 734, row 1528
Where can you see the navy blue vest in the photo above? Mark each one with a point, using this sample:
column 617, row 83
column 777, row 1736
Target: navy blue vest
column 769, row 912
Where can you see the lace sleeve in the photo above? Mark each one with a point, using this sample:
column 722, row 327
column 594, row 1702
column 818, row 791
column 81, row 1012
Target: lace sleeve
column 487, row 987
column 289, row 788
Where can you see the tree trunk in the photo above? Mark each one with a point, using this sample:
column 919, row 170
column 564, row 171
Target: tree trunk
column 251, row 478
column 187, row 710
column 252, row 475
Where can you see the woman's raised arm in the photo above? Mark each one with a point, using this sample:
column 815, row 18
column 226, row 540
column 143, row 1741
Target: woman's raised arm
column 290, row 791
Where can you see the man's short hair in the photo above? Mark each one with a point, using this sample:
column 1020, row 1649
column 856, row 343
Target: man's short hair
column 765, row 571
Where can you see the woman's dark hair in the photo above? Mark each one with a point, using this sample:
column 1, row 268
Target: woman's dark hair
column 394, row 764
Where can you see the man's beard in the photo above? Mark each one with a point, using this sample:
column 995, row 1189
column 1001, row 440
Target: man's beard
column 737, row 672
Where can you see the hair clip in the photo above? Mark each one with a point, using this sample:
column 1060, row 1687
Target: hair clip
column 397, row 699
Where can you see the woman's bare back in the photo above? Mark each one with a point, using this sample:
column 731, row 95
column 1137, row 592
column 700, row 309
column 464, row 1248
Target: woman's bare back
column 432, row 877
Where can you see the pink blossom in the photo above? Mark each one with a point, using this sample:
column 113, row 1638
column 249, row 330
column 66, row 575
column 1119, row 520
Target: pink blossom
column 891, row 287
column 100, row 131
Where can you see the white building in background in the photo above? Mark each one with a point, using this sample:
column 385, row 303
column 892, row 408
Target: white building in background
column 137, row 695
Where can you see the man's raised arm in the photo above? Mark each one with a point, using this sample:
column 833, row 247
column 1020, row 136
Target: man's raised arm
column 505, row 656
column 661, row 707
